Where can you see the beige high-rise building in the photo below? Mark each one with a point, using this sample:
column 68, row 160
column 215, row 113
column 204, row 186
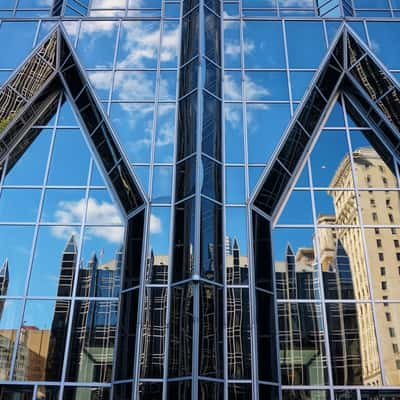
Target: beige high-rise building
column 374, row 255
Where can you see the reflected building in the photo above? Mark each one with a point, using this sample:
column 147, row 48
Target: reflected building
column 232, row 168
column 237, row 264
column 373, row 263
column 40, row 352
column 349, row 267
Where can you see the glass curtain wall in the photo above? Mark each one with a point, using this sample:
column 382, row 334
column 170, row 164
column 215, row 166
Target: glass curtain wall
column 247, row 271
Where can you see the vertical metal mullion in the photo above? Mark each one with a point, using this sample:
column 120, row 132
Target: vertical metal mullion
column 321, row 278
column 253, row 311
column 276, row 319
column 77, row 267
column 283, row 27
column 114, row 67
column 136, row 366
column 197, row 249
column 364, row 248
column 33, row 248
column 36, row 33
column 155, row 108
column 147, row 231
column 224, row 262
column 172, row 214
column 35, row 389
column 251, row 286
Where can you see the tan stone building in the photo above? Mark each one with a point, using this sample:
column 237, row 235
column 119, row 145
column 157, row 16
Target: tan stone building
column 374, row 254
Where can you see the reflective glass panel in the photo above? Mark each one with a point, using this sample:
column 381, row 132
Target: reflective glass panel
column 15, row 249
column 300, row 32
column 138, row 46
column 97, row 43
column 181, row 331
column 265, row 126
column 296, row 264
column 302, row 349
column 353, row 345
column 10, row 319
column 238, row 336
column 157, row 255
column 19, row 205
column 263, row 44
column 162, row 184
column 55, row 260
column 42, row 340
column 29, row 169
column 94, row 326
column 68, row 142
column 236, row 260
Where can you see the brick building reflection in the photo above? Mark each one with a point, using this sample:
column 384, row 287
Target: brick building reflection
column 40, row 352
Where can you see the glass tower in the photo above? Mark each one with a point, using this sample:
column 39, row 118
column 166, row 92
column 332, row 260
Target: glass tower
column 200, row 199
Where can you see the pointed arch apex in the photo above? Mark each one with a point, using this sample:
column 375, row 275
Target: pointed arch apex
column 31, row 95
column 349, row 67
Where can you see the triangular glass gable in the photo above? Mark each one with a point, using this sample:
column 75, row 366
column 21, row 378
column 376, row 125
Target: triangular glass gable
column 30, row 97
column 346, row 133
column 373, row 100
column 54, row 200
column 51, row 208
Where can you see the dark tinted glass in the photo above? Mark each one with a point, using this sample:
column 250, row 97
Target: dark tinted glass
column 181, row 332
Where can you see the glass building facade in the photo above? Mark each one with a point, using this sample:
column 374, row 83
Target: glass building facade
column 200, row 199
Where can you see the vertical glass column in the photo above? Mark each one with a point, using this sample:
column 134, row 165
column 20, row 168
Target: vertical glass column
column 195, row 348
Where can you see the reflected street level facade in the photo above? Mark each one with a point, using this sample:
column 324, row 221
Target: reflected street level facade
column 200, row 199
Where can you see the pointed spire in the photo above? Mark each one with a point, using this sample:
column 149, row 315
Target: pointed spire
column 93, row 261
column 4, row 269
column 71, row 246
column 289, row 250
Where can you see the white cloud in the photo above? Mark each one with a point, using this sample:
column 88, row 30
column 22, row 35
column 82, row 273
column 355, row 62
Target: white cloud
column 102, row 212
column 375, row 46
column 134, row 84
column 232, row 88
column 232, row 48
column 155, row 224
column 296, row 3
column 252, row 117
column 233, row 114
column 165, row 134
column 94, row 29
column 253, row 90
column 98, row 212
column 100, row 79
column 249, row 46
column 108, row 4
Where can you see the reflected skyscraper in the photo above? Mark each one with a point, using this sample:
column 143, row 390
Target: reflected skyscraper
column 199, row 200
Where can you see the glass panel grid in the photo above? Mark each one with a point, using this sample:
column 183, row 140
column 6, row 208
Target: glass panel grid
column 68, row 265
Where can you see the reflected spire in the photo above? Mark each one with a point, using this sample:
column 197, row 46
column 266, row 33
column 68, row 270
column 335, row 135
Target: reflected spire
column 4, row 279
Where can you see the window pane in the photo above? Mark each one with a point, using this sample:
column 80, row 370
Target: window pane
column 19, row 205
column 15, row 249
column 299, row 33
column 263, row 44
column 10, row 318
column 42, row 339
column 97, row 43
column 93, row 338
column 55, row 260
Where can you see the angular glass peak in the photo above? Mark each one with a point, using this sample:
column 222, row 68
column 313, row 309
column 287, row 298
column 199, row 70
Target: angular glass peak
column 28, row 80
column 31, row 97
column 373, row 97
column 49, row 179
